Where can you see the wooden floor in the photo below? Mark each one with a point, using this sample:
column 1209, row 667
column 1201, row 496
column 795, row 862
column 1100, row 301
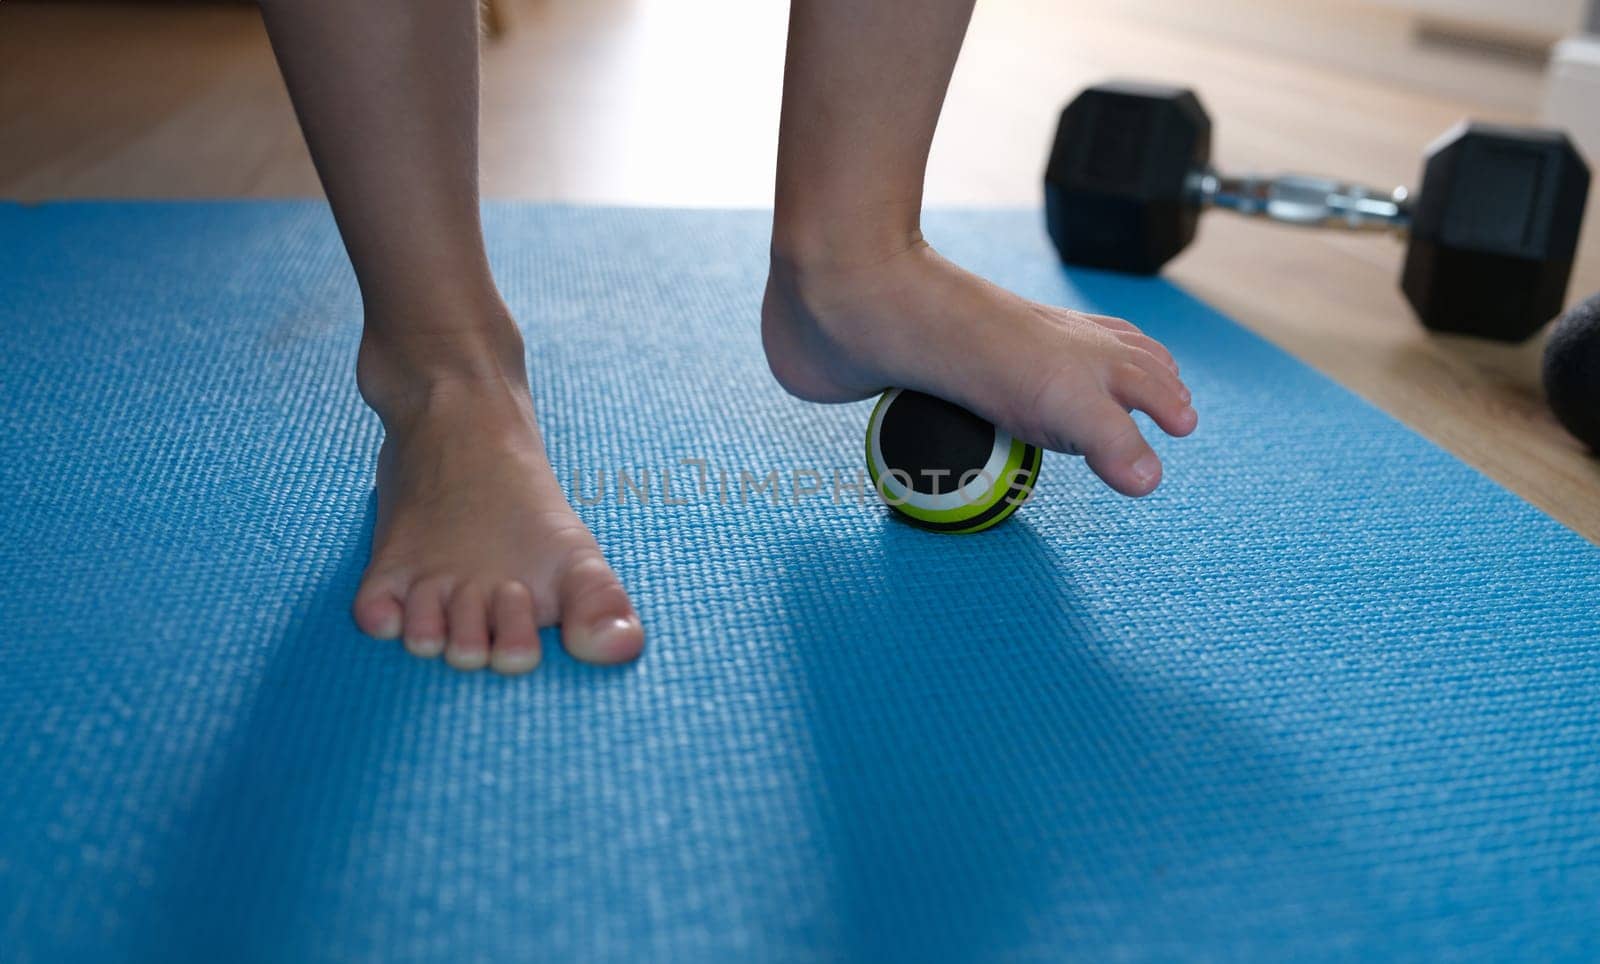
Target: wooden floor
column 674, row 102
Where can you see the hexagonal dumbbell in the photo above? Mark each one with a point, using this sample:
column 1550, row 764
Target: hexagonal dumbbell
column 1492, row 232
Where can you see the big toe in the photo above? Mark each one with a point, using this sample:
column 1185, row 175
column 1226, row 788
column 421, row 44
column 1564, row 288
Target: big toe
column 1119, row 454
column 598, row 624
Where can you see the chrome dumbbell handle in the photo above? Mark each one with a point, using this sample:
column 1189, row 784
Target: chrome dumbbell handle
column 1304, row 200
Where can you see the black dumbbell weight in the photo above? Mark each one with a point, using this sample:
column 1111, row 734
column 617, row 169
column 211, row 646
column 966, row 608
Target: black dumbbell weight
column 1572, row 371
column 1492, row 233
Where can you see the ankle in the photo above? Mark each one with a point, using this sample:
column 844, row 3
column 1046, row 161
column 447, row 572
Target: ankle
column 403, row 370
column 821, row 284
column 820, row 244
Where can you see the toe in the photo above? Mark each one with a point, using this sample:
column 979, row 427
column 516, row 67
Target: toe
column 1112, row 322
column 1130, row 334
column 1149, row 346
column 1117, row 452
column 515, row 647
column 598, row 624
column 424, row 624
column 468, row 613
column 1157, row 393
column 378, row 611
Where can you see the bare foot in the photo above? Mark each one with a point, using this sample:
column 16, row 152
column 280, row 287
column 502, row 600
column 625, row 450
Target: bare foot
column 1062, row 379
column 475, row 546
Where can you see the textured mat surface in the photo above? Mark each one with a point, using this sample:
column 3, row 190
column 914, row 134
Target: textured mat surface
column 1330, row 693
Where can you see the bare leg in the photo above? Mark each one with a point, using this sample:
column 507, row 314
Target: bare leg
column 857, row 301
column 475, row 546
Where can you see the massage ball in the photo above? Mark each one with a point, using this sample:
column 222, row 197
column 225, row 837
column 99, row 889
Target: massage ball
column 942, row 468
column 1572, row 371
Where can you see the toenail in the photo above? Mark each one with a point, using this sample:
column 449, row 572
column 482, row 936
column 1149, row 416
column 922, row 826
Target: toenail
column 425, row 648
column 388, row 627
column 1147, row 468
column 605, row 635
column 512, row 664
column 469, row 662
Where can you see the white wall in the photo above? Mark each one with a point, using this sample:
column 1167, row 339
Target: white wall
column 1537, row 18
column 1376, row 38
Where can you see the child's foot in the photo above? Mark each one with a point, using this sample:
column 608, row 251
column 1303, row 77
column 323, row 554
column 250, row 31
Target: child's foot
column 475, row 546
column 1054, row 377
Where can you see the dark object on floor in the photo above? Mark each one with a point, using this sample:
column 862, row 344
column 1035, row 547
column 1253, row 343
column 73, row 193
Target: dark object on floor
column 1492, row 233
column 1572, row 371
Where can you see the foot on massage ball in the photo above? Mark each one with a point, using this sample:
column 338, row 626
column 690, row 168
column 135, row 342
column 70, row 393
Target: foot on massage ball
column 942, row 468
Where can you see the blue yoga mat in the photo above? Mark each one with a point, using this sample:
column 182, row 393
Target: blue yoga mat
column 1328, row 694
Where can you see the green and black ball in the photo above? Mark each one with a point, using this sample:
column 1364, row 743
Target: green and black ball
column 943, row 468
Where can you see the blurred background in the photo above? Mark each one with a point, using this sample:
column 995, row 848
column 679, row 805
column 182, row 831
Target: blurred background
column 675, row 102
